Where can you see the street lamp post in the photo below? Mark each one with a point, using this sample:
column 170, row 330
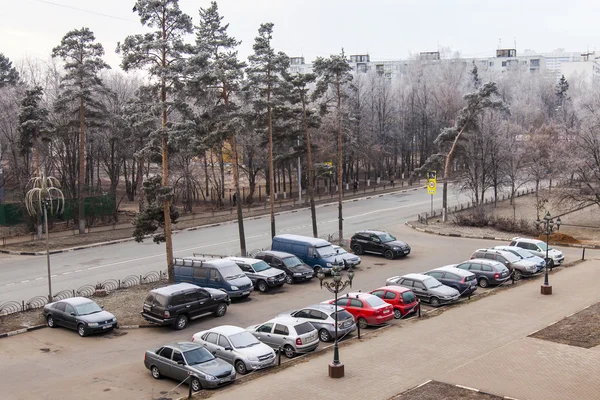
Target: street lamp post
column 547, row 226
column 336, row 368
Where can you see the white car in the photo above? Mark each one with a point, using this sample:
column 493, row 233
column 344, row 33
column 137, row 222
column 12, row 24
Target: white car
column 538, row 248
column 238, row 347
column 292, row 335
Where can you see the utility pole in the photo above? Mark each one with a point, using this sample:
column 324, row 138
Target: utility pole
column 299, row 173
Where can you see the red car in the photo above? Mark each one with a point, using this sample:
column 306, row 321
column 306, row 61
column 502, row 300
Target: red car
column 366, row 308
column 402, row 299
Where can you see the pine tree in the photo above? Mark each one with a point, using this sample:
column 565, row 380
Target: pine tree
column 83, row 62
column 33, row 118
column 562, row 87
column 8, row 74
column 475, row 80
column 333, row 73
column 264, row 79
column 152, row 216
column 162, row 52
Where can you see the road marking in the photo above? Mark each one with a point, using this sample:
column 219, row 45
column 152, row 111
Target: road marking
column 39, row 279
column 78, row 270
column 10, row 284
column 67, row 273
column 25, row 281
column 468, row 388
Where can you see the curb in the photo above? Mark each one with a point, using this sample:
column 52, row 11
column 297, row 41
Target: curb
column 503, row 239
column 136, row 326
column 397, row 396
column 19, row 331
column 194, row 228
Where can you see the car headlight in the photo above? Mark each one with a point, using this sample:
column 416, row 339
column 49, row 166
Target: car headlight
column 235, row 288
column 114, row 320
column 329, row 264
column 396, row 248
column 92, row 324
column 210, row 378
column 253, row 358
column 270, row 278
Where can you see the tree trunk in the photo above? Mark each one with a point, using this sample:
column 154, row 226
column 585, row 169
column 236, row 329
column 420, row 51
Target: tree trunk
column 271, row 167
column 447, row 173
column 165, row 176
column 310, row 180
column 339, row 163
column 81, row 199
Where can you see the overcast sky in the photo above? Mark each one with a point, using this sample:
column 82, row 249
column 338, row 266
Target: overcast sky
column 386, row 29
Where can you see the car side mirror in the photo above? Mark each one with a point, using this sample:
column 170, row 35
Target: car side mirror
column 214, row 353
column 180, row 362
column 228, row 348
column 337, row 251
column 73, row 314
column 314, row 256
column 102, row 307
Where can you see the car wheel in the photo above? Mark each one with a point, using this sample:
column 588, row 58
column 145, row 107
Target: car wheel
column 181, row 322
column 288, row 351
column 240, row 367
column 50, row 322
column 362, row 323
column 324, row 335
column 262, row 286
column 81, row 330
column 434, row 301
column 316, row 270
column 221, row 310
column 289, row 279
column 397, row 313
column 155, row 372
column 517, row 274
column 388, row 254
column 357, row 249
column 483, row 283
column 550, row 262
column 196, row 385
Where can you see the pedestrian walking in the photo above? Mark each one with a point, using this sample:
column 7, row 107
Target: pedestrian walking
column 234, row 199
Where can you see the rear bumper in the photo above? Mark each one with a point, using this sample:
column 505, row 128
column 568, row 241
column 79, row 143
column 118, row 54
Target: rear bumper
column 380, row 319
column 158, row 321
column 307, row 348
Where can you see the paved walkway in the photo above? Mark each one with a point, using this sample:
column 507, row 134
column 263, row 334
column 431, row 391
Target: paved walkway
column 483, row 345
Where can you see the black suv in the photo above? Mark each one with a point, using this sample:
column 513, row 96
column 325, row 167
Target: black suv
column 174, row 305
column 295, row 270
column 379, row 242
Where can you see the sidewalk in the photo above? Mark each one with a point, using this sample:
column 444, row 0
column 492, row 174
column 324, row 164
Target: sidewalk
column 483, row 345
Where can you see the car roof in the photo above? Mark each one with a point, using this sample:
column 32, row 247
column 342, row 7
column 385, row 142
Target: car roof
column 322, row 307
column 76, row 301
column 178, row 287
column 285, row 320
column 484, row 261
column 305, row 239
column 527, row 240
column 358, row 295
column 498, row 251
column 227, row 330
column 375, row 231
column 416, row 276
column 245, row 259
column 508, row 248
column 454, row 270
column 276, row 253
column 184, row 346
column 393, row 288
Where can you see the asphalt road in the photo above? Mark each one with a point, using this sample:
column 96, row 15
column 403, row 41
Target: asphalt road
column 23, row 277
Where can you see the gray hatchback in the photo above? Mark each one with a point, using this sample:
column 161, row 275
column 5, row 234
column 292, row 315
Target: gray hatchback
column 189, row 361
column 322, row 317
column 488, row 272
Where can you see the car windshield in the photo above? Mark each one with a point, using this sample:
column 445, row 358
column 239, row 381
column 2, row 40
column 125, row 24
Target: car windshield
column 261, row 266
column 292, row 261
column 524, row 253
column 386, row 237
column 231, row 272
column 375, row 301
column 342, row 314
column 431, row 283
column 326, row 251
column 408, row 297
column 542, row 246
column 243, row 339
column 198, row 356
column 340, row 250
column 88, row 308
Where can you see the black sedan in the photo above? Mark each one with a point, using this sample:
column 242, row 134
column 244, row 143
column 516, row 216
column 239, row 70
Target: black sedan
column 80, row 314
column 378, row 242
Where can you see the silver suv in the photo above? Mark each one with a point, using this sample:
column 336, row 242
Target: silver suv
column 322, row 317
column 538, row 248
column 290, row 334
column 238, row 347
column 519, row 267
column 262, row 275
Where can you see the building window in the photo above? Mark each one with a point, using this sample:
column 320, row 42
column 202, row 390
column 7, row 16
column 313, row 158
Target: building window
column 491, row 63
column 534, row 63
column 504, row 63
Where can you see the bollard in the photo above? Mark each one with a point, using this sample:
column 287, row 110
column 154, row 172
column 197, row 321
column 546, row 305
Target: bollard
column 512, row 277
column 583, row 254
column 279, row 350
column 190, row 383
column 470, row 295
column 358, row 329
column 419, row 307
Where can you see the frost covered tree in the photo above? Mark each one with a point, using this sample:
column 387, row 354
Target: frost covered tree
column 82, row 57
column 33, row 118
column 162, row 52
column 8, row 74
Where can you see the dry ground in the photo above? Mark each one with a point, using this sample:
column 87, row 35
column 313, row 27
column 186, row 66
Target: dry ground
column 442, row 391
column 581, row 329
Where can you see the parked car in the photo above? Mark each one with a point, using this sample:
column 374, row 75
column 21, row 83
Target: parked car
column 262, row 275
column 488, row 272
column 524, row 254
column 216, row 274
column 175, row 305
column 80, row 314
column 238, row 347
column 291, row 335
column 518, row 266
column 366, row 308
column 427, row 288
column 294, row 268
column 180, row 360
column 402, row 299
column 317, row 253
column 350, row 260
column 378, row 242
column 463, row 281
column 322, row 317
column 538, row 248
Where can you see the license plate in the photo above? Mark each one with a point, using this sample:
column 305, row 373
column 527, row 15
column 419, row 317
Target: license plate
column 107, row 326
column 244, row 293
column 386, row 311
column 147, row 308
column 405, row 251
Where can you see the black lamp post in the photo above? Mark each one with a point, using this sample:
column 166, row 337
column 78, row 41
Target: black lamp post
column 336, row 368
column 547, row 226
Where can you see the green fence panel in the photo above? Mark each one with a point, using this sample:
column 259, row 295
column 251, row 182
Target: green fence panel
column 10, row 214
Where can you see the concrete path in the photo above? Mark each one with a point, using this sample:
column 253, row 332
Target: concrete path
column 483, row 345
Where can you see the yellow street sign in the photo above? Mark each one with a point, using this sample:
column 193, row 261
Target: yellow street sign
column 431, row 186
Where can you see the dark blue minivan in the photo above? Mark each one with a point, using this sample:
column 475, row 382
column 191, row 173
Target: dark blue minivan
column 217, row 274
column 317, row 253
